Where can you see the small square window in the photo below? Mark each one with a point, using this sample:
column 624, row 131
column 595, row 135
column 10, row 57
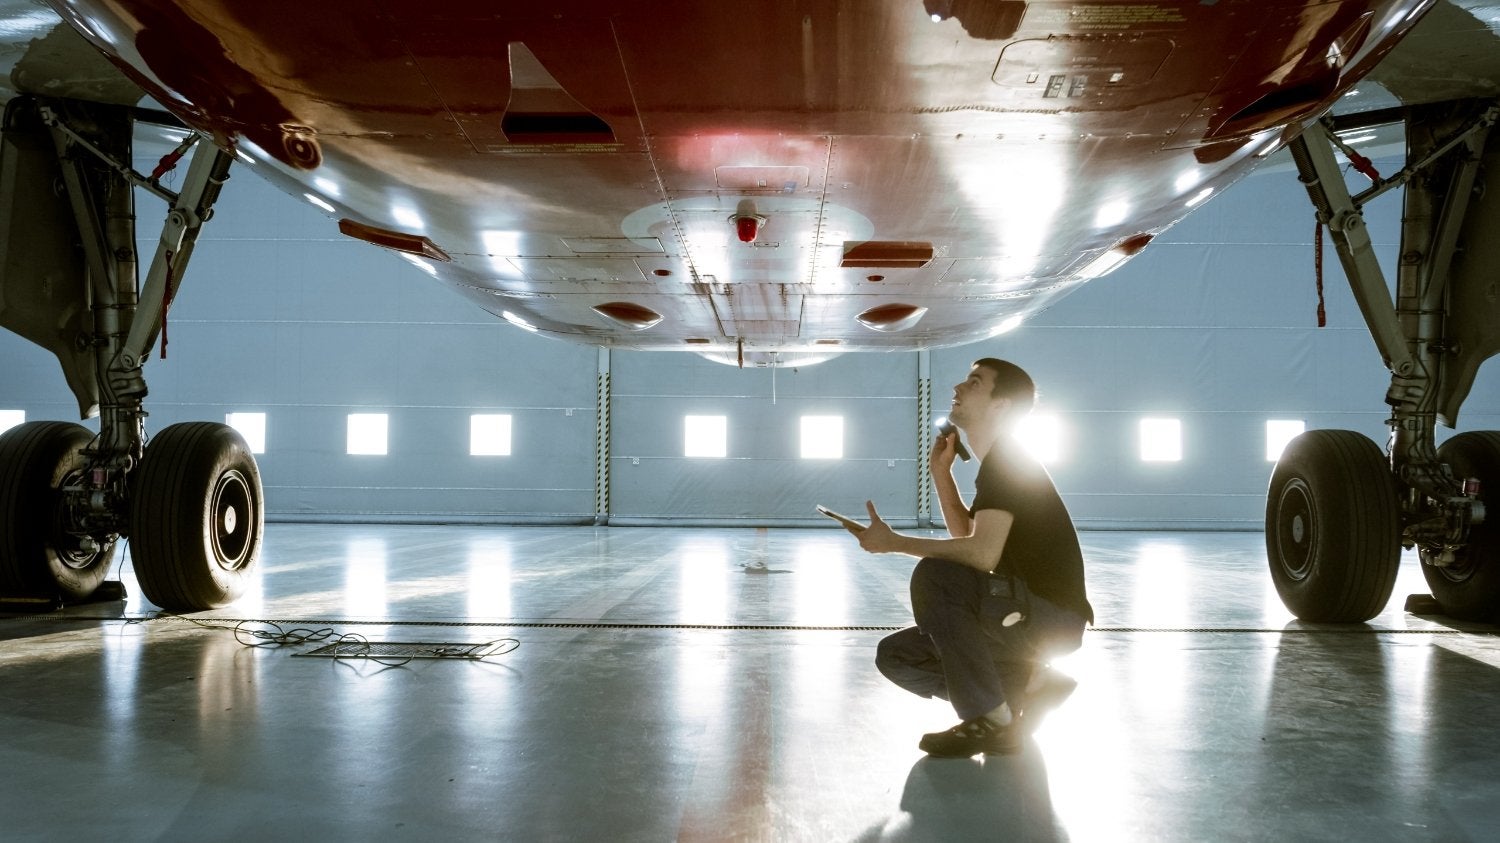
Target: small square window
column 11, row 418
column 1278, row 433
column 489, row 435
column 367, row 434
column 252, row 426
column 822, row 437
column 705, row 436
column 1161, row 440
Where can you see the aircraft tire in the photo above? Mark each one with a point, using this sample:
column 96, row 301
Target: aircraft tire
column 38, row 557
column 196, row 517
column 1333, row 527
column 1469, row 589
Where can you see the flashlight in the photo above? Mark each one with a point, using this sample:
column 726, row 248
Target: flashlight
column 945, row 427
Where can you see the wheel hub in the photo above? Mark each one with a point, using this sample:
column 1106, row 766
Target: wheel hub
column 231, row 541
column 1294, row 529
column 72, row 549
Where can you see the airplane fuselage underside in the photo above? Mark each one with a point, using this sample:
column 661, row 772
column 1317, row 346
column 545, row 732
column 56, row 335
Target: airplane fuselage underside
column 765, row 188
column 773, row 183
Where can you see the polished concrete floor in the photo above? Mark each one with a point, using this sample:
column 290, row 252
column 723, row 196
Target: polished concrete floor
column 696, row 684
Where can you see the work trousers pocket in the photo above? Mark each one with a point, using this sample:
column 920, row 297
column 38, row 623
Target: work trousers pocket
column 1005, row 604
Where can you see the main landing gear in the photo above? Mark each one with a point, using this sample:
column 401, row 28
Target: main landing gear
column 190, row 502
column 1338, row 509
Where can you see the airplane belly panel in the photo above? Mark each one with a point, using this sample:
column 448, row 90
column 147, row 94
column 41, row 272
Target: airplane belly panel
column 821, row 174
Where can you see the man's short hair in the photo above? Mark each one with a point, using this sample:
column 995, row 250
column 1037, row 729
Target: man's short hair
column 1011, row 381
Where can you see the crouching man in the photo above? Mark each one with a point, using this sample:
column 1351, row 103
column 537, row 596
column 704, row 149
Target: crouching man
column 1001, row 596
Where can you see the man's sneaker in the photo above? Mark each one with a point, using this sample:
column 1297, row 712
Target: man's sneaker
column 971, row 737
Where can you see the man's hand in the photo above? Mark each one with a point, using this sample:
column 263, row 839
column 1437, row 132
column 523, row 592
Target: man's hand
column 944, row 451
column 878, row 537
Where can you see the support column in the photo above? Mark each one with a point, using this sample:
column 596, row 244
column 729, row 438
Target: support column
column 924, row 438
column 601, row 441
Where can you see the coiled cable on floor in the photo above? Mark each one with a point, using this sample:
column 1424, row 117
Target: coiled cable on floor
column 347, row 645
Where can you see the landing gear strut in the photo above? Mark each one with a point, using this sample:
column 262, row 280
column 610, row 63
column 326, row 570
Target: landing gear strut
column 1338, row 511
column 190, row 502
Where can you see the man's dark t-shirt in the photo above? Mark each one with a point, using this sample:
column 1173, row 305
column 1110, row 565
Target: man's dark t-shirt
column 1042, row 548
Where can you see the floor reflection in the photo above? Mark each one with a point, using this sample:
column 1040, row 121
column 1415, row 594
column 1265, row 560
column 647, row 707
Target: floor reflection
column 365, row 579
column 489, row 576
column 668, row 686
column 997, row 797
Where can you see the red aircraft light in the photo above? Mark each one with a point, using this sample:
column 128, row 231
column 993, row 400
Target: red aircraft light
column 747, row 227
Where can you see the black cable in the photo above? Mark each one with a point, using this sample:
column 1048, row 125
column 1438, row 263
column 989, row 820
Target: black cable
column 276, row 636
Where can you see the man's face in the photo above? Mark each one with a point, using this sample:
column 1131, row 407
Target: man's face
column 974, row 404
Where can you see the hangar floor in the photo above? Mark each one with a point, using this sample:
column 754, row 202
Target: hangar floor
column 693, row 684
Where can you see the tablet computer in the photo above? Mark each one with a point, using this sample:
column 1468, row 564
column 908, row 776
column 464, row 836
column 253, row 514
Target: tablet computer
column 842, row 519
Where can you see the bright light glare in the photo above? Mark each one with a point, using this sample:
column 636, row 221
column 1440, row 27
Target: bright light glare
column 1103, row 265
column 703, row 592
column 500, row 247
column 1112, row 214
column 1278, row 433
column 1161, row 440
column 1009, row 324
column 518, row 321
column 822, row 437
column 705, row 436
column 489, row 577
column 11, row 418
column 1200, row 196
column 407, row 216
column 489, row 435
column 1160, row 593
column 1042, row 437
column 421, row 263
column 367, row 434
column 252, row 426
column 29, row 24
column 1026, row 228
column 365, row 578
column 320, row 202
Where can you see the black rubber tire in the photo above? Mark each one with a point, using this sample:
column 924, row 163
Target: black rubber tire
column 37, row 557
column 1333, row 527
column 196, row 517
column 1469, row 589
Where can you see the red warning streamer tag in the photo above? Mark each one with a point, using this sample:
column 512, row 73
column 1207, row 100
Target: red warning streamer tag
column 1318, row 271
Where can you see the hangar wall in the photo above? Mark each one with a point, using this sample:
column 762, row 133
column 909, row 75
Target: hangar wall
column 1212, row 324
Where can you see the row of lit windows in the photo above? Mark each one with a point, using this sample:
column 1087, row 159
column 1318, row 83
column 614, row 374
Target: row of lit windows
column 707, row 437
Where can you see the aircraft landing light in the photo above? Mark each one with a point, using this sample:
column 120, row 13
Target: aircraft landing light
column 891, row 317
column 633, row 316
